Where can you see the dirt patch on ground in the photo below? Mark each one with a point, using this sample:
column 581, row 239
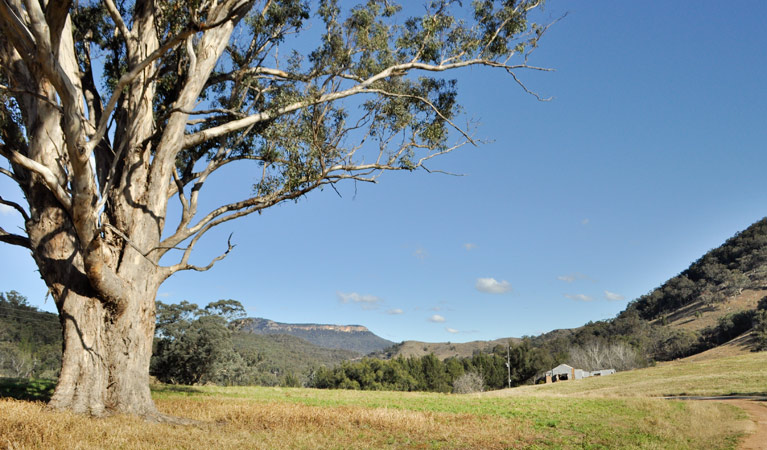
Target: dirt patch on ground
column 757, row 410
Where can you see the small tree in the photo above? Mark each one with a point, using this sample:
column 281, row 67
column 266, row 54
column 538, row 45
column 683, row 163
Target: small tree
column 193, row 345
column 469, row 383
column 109, row 110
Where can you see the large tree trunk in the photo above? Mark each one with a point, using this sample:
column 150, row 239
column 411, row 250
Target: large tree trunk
column 105, row 363
column 107, row 346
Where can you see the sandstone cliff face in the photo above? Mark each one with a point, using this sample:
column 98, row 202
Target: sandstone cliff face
column 348, row 337
column 288, row 327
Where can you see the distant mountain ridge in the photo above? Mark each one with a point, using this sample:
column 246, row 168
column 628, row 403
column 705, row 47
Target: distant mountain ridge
column 355, row 338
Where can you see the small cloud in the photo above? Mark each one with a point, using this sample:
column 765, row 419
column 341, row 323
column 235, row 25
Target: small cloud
column 436, row 318
column 569, row 278
column 492, row 286
column 585, row 222
column 395, row 311
column 469, row 246
column 451, row 330
column 612, row 296
column 420, row 253
column 366, row 301
column 580, row 297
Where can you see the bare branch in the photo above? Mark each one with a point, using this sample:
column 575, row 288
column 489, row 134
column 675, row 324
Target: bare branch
column 33, row 94
column 430, row 104
column 10, row 175
column 114, row 13
column 183, row 265
column 15, row 239
column 15, row 206
column 49, row 178
column 522, row 85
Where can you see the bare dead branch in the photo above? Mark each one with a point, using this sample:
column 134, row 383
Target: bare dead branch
column 186, row 266
column 15, row 239
column 15, row 206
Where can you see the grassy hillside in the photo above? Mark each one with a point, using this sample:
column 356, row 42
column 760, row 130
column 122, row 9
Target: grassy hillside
column 743, row 374
column 591, row 413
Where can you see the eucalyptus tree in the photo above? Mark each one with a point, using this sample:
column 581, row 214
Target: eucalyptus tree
column 111, row 109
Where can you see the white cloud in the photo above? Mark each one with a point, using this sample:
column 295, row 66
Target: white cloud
column 436, row 318
column 469, row 246
column 420, row 253
column 451, row 330
column 492, row 286
column 395, row 311
column 367, row 301
column 580, row 297
column 570, row 277
column 612, row 296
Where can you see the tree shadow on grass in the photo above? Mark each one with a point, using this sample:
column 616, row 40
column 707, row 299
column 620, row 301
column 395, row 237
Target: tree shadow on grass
column 27, row 389
column 175, row 388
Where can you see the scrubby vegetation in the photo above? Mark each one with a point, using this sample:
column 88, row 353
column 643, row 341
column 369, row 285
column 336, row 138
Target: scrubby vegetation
column 30, row 339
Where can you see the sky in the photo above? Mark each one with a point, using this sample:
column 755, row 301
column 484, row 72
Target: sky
column 650, row 153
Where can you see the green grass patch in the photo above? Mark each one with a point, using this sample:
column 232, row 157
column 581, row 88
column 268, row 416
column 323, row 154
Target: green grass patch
column 27, row 389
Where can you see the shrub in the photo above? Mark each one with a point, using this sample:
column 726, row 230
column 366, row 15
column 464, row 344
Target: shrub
column 469, row 383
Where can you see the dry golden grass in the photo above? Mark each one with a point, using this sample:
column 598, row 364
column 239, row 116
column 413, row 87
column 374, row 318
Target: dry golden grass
column 234, row 423
column 229, row 423
column 685, row 318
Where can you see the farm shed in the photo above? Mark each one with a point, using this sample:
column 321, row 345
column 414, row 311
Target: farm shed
column 564, row 372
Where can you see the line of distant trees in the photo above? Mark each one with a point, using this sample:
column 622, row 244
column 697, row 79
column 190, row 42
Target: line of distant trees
column 198, row 345
column 429, row 373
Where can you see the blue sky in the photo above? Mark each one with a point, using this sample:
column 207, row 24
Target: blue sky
column 651, row 152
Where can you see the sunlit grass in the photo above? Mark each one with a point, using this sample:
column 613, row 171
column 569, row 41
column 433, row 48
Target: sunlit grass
column 743, row 374
column 608, row 412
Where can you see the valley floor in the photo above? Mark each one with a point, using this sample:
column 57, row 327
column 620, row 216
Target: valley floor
column 618, row 411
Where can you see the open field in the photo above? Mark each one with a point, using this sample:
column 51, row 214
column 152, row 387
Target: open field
column 608, row 412
column 742, row 374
